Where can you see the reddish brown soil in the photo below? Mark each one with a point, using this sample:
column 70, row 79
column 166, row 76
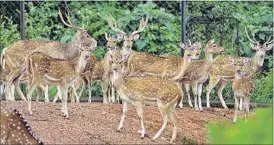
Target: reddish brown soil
column 96, row 123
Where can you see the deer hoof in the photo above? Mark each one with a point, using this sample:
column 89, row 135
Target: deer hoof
column 118, row 130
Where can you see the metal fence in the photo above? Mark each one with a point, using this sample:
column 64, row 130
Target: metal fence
column 39, row 20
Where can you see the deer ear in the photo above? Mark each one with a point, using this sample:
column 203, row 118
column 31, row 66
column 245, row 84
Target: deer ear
column 136, row 37
column 212, row 41
column 106, row 36
column 120, row 37
column 199, row 45
column 269, row 47
column 253, row 46
column 182, row 45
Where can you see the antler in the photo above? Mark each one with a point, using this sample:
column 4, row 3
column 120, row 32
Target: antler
column 253, row 41
column 268, row 41
column 112, row 23
column 141, row 26
column 70, row 24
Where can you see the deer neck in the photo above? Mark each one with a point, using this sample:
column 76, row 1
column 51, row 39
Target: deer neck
column 237, row 82
column 208, row 61
column 80, row 65
column 72, row 49
column 255, row 67
column 119, row 80
column 182, row 71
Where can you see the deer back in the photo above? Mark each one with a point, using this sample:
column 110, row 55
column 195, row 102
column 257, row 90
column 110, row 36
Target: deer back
column 15, row 129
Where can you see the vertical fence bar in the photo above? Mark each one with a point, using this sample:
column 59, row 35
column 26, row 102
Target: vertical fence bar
column 183, row 24
column 22, row 20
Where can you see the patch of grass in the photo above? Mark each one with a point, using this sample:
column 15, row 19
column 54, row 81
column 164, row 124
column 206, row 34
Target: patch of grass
column 257, row 129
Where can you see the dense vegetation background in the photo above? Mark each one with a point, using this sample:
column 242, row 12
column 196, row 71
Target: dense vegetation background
column 225, row 22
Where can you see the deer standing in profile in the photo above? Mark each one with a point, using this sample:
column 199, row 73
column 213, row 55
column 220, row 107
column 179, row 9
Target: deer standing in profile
column 197, row 73
column 18, row 51
column 43, row 69
column 223, row 72
column 145, row 64
column 140, row 91
column 242, row 86
column 15, row 129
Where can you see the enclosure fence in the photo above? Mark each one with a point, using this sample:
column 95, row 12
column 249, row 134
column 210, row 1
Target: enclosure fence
column 170, row 20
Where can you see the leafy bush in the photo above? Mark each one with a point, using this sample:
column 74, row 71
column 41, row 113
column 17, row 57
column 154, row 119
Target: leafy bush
column 9, row 32
column 258, row 129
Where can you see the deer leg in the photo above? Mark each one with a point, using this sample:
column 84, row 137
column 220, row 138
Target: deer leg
column 39, row 91
column 212, row 83
column 89, row 91
column 64, row 92
column 246, row 106
column 58, row 95
column 125, row 109
column 165, row 118
column 236, row 108
column 241, row 104
column 45, row 89
column 29, row 96
column 74, row 94
column 187, row 87
column 140, row 111
column 82, row 90
column 200, row 89
column 12, row 92
column 172, row 115
column 18, row 89
column 105, row 92
column 112, row 94
column 1, row 91
column 194, row 91
column 220, row 90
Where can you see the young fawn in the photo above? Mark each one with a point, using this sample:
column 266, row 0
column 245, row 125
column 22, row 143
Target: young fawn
column 242, row 86
column 15, row 129
column 140, row 91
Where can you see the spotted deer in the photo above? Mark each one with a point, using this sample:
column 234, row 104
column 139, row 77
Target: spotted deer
column 81, row 82
column 145, row 64
column 140, row 91
column 18, row 51
column 242, row 86
column 15, row 129
column 43, row 69
column 223, row 72
column 197, row 73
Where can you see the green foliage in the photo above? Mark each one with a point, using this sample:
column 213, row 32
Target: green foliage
column 257, row 129
column 8, row 32
column 264, row 88
column 163, row 32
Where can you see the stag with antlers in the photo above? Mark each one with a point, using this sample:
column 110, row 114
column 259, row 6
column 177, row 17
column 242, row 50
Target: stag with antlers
column 223, row 72
column 18, row 51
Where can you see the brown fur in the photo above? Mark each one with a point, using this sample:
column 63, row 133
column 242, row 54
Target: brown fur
column 15, row 130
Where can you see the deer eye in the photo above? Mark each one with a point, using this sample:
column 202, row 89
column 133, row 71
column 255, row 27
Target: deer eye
column 214, row 45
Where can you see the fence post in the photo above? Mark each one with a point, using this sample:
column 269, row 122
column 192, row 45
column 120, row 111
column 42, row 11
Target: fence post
column 22, row 20
column 183, row 24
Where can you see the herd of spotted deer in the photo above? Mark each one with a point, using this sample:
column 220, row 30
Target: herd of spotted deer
column 139, row 78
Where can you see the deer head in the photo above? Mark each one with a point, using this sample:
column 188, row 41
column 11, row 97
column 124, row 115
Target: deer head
column 260, row 48
column 240, row 65
column 83, row 59
column 213, row 48
column 194, row 50
column 82, row 38
column 112, row 41
column 128, row 38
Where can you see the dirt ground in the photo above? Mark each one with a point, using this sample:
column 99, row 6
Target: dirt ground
column 96, row 123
